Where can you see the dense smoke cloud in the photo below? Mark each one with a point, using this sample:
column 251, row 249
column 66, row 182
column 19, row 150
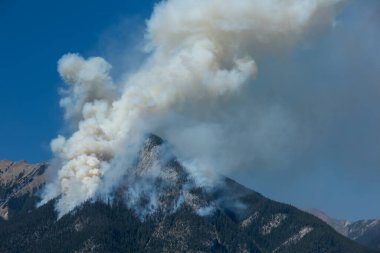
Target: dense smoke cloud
column 201, row 57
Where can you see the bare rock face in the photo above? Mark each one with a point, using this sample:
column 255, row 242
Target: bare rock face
column 18, row 179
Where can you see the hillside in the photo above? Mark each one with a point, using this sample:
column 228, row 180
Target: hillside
column 186, row 218
column 365, row 232
column 18, row 180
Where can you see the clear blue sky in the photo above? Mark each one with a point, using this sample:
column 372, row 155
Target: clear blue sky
column 340, row 107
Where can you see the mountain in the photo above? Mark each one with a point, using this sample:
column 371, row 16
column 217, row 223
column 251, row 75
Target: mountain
column 366, row 232
column 173, row 213
column 341, row 226
column 18, row 182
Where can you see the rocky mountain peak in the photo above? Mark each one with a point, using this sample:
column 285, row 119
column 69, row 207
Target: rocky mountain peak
column 160, row 208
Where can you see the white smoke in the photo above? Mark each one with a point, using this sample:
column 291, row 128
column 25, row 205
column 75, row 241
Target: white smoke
column 199, row 50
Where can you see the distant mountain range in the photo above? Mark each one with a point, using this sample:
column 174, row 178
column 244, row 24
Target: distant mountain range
column 366, row 232
column 225, row 218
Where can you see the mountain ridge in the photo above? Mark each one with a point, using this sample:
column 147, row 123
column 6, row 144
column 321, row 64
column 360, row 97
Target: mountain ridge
column 366, row 232
column 225, row 218
column 18, row 179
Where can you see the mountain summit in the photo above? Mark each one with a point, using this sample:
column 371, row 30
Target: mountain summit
column 172, row 213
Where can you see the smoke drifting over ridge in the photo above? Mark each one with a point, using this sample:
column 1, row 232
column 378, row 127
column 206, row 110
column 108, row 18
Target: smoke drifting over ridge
column 199, row 51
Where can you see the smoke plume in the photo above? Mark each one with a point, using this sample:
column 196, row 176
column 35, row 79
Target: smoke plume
column 200, row 52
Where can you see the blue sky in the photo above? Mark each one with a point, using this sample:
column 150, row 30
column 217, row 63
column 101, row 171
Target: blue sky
column 337, row 110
